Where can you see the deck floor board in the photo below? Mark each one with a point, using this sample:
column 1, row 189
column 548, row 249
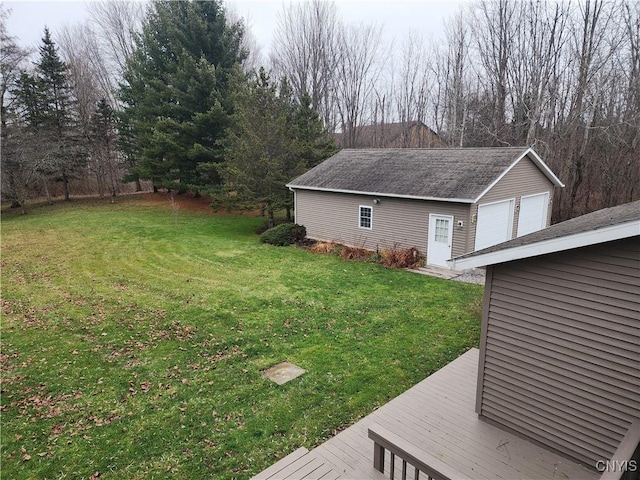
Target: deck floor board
column 438, row 416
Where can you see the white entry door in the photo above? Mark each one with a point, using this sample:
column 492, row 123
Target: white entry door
column 495, row 222
column 440, row 239
column 533, row 213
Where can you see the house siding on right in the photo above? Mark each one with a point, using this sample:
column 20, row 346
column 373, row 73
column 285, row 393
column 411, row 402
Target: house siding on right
column 561, row 359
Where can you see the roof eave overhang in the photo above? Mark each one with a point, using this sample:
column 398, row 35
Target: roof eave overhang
column 553, row 245
column 380, row 194
column 539, row 163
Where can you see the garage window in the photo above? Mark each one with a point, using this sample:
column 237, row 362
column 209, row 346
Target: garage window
column 366, row 217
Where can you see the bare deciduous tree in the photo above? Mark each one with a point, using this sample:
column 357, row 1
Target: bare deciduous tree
column 358, row 71
column 494, row 30
column 535, row 64
column 117, row 24
column 451, row 83
column 254, row 58
column 305, row 51
column 12, row 57
column 414, row 81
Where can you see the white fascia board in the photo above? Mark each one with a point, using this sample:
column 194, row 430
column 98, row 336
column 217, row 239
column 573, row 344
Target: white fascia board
column 543, row 166
column 537, row 160
column 378, row 194
column 553, row 245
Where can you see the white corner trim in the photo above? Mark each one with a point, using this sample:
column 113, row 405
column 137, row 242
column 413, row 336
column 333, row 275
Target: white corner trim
column 553, row 245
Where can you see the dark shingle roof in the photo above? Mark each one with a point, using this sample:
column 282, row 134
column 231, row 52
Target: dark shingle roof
column 554, row 237
column 438, row 173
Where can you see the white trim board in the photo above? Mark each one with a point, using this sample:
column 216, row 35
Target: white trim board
column 553, row 245
column 377, row 194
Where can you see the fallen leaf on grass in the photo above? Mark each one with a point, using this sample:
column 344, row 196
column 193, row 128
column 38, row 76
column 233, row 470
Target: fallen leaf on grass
column 57, row 429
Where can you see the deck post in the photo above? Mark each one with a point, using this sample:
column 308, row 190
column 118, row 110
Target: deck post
column 378, row 457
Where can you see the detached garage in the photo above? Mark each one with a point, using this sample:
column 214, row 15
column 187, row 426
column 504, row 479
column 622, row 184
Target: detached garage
column 444, row 202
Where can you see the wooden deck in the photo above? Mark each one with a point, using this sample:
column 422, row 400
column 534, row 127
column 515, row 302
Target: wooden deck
column 437, row 416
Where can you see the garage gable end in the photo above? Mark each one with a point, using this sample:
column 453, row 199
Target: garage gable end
column 528, row 156
column 517, row 204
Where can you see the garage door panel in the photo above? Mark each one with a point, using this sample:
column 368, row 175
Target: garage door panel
column 494, row 223
column 533, row 213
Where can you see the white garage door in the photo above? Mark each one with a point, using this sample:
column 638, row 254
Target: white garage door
column 533, row 213
column 495, row 223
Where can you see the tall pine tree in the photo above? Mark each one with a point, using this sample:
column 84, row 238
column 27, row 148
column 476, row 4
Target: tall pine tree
column 174, row 92
column 46, row 108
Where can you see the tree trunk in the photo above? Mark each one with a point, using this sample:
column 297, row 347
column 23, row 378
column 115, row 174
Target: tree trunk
column 271, row 219
column 65, row 186
column 47, row 193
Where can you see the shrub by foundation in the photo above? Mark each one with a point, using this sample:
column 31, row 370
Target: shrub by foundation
column 324, row 247
column 406, row 258
column 285, row 234
column 355, row 253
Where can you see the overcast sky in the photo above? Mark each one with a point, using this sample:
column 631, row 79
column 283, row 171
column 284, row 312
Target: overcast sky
column 28, row 18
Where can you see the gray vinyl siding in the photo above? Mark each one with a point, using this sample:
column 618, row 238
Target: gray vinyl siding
column 397, row 223
column 561, row 359
column 525, row 178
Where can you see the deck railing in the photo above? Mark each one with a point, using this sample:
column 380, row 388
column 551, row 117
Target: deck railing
column 625, row 463
column 409, row 454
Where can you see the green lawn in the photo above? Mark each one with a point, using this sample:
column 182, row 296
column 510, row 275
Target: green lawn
column 133, row 339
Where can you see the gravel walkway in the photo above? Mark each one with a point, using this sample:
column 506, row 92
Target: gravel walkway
column 475, row 275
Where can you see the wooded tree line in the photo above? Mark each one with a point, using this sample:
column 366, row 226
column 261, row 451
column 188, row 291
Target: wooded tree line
column 174, row 95
column 563, row 77
column 58, row 124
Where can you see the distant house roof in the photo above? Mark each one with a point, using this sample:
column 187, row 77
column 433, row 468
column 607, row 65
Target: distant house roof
column 401, row 134
column 446, row 174
column 604, row 225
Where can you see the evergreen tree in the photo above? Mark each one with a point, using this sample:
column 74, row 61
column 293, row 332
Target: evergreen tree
column 313, row 143
column 271, row 140
column 46, row 111
column 174, row 92
column 104, row 162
